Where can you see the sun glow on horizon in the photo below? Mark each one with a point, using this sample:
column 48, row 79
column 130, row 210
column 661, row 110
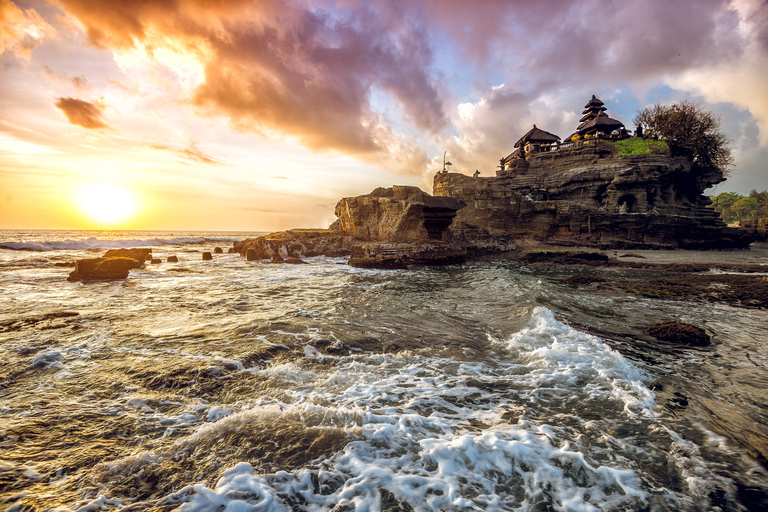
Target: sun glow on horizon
column 106, row 205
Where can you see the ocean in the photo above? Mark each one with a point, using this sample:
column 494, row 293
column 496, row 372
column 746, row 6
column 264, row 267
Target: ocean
column 229, row 385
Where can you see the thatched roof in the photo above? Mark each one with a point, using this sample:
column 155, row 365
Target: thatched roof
column 600, row 123
column 537, row 136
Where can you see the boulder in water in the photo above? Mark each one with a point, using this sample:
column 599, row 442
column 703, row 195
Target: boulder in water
column 139, row 254
column 173, row 259
column 207, row 256
column 251, row 255
column 102, row 269
column 156, row 260
column 679, row 332
column 217, row 250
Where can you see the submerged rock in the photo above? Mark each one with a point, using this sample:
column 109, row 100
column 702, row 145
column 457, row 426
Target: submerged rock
column 102, row 269
column 156, row 260
column 679, row 332
column 173, row 259
column 378, row 263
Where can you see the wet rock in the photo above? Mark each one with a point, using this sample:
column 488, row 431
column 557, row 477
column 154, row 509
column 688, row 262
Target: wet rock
column 679, row 332
column 378, row 263
column 295, row 261
column 173, row 259
column 64, row 264
column 207, row 256
column 156, row 260
column 250, row 255
column 102, row 269
column 276, row 258
column 138, row 254
column 584, row 279
column 217, row 250
column 231, row 250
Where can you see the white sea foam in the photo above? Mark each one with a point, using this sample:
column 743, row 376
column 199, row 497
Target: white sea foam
column 432, row 432
column 96, row 243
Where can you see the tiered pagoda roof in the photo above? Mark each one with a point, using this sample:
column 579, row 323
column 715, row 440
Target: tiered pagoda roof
column 596, row 120
column 536, row 136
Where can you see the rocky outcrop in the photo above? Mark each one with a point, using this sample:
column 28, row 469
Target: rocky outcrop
column 397, row 215
column 102, row 269
column 398, row 223
column 586, row 195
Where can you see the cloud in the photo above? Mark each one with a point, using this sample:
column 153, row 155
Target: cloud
column 82, row 113
column 192, row 153
column 21, row 31
column 283, row 67
column 315, row 71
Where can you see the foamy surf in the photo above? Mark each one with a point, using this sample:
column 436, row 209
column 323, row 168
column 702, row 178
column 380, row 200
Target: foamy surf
column 439, row 434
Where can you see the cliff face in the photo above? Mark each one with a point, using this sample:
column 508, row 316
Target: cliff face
column 585, row 195
column 396, row 215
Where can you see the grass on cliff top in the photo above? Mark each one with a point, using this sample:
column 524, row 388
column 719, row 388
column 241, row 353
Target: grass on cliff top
column 638, row 146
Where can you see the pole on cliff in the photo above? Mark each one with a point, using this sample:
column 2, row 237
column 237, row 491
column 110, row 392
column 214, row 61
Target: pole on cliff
column 445, row 163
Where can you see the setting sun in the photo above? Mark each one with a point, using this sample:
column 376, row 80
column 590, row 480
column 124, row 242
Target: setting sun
column 106, row 204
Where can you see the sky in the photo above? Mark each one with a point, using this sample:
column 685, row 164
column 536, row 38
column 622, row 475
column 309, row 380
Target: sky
column 259, row 115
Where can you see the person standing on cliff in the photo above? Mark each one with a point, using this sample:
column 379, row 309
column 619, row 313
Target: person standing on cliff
column 477, row 173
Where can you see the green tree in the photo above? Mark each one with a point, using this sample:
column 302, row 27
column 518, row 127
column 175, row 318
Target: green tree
column 692, row 131
column 746, row 207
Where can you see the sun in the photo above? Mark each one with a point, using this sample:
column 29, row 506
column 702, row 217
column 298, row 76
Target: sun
column 106, row 205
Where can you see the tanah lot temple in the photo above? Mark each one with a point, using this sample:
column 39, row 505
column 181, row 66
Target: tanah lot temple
column 585, row 191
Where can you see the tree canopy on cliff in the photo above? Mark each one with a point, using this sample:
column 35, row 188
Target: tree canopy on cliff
column 690, row 130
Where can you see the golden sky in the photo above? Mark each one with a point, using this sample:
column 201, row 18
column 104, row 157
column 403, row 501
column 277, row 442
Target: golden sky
column 261, row 114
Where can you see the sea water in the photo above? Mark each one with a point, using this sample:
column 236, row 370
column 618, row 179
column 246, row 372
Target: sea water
column 234, row 385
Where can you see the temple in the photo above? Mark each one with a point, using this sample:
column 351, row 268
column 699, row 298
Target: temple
column 586, row 191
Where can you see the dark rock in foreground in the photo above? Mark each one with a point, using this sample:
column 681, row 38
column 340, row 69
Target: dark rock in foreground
column 102, row 269
column 679, row 332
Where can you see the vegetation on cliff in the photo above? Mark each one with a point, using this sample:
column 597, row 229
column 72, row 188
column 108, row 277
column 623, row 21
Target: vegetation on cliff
column 639, row 146
column 691, row 131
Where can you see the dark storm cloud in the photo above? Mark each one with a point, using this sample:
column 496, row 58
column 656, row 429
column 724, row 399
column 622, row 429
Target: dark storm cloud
column 82, row 113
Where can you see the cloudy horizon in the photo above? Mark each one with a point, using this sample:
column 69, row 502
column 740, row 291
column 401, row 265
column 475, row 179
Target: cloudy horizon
column 260, row 115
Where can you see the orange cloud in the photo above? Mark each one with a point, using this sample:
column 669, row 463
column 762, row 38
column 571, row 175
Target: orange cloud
column 82, row 113
column 282, row 67
column 21, row 30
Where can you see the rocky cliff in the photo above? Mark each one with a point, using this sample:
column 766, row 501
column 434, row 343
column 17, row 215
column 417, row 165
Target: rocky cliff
column 587, row 195
column 399, row 223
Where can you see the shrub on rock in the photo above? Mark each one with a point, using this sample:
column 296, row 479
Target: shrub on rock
column 679, row 332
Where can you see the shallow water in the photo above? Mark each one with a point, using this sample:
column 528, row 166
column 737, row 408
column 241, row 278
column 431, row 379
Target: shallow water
column 234, row 385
